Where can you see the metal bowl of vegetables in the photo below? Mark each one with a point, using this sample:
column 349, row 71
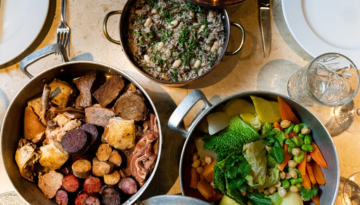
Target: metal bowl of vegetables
column 257, row 147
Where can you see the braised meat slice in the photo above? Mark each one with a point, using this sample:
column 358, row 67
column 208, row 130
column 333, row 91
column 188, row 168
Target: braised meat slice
column 50, row 183
column 131, row 106
column 109, row 90
column 84, row 84
column 98, row 116
column 26, row 157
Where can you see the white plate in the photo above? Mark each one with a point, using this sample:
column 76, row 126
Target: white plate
column 322, row 26
column 20, row 22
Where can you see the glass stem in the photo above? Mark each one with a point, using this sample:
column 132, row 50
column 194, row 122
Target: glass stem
column 358, row 111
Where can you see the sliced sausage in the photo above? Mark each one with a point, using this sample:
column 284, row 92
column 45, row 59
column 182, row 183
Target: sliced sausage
column 131, row 106
column 76, row 142
column 81, row 198
column 94, row 132
column 112, row 178
column 110, row 196
column 100, row 168
column 91, row 200
column 92, row 185
column 128, row 185
column 115, row 158
column 62, row 197
column 70, row 183
column 104, row 152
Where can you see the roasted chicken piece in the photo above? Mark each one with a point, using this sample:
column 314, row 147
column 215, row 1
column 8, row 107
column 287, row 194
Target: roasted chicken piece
column 61, row 93
column 64, row 124
column 26, row 158
column 53, row 156
column 33, row 128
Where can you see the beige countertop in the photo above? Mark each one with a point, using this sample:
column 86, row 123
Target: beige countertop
column 246, row 71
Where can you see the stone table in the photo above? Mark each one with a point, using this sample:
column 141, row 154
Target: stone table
column 246, row 71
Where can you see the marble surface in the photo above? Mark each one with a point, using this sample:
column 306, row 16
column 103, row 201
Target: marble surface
column 246, row 71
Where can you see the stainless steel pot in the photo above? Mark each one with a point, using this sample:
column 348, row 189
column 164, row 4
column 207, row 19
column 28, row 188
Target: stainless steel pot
column 320, row 135
column 12, row 129
column 123, row 27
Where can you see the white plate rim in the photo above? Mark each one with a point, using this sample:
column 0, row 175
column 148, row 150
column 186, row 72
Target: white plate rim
column 306, row 37
column 37, row 13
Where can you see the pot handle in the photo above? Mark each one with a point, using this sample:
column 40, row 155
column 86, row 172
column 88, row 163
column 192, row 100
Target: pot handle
column 184, row 107
column 41, row 53
column 105, row 26
column 242, row 38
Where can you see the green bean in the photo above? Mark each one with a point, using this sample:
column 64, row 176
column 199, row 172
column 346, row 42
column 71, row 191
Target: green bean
column 290, row 151
column 307, row 147
column 298, row 141
column 289, row 129
column 307, row 139
column 296, row 181
column 296, row 170
column 296, row 129
column 285, row 183
column 300, row 187
column 290, row 142
column 298, row 159
column 301, row 136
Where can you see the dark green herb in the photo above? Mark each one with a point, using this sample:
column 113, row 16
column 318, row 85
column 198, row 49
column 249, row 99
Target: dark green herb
column 168, row 17
column 307, row 194
column 152, row 3
column 160, row 61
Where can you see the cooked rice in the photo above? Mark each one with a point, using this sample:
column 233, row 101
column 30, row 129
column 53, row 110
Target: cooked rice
column 190, row 40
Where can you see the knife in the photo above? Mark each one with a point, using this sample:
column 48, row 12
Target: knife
column 265, row 29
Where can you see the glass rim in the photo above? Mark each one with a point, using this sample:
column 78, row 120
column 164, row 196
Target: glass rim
column 343, row 102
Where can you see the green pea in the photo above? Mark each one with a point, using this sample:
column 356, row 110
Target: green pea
column 301, row 136
column 289, row 129
column 296, row 170
column 296, row 181
column 307, row 147
column 296, row 129
column 298, row 141
column 300, row 187
column 290, row 151
column 298, row 159
column 285, row 183
column 290, row 142
column 307, row 139
column 302, row 125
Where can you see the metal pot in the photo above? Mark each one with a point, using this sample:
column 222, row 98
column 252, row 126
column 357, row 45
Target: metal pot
column 12, row 129
column 320, row 135
column 123, row 27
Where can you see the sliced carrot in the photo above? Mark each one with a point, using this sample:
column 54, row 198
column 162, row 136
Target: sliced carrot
column 276, row 125
column 302, row 166
column 319, row 176
column 306, row 183
column 287, row 157
column 292, row 134
column 310, row 171
column 286, row 112
column 194, row 178
column 317, row 156
column 208, row 172
column 316, row 199
column 206, row 189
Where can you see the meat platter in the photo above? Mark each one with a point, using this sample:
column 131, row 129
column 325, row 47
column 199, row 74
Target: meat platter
column 92, row 139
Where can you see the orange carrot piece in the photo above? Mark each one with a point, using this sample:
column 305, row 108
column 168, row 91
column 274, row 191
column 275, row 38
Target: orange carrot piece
column 319, row 176
column 206, row 189
column 306, row 183
column 302, row 166
column 218, row 195
column 208, row 172
column 310, row 171
column 287, row 157
column 286, row 112
column 292, row 134
column 317, row 156
column 276, row 125
column 316, row 199
column 194, row 178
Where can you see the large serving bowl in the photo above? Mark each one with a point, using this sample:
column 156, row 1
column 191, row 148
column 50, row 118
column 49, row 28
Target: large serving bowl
column 320, row 135
column 124, row 28
column 12, row 129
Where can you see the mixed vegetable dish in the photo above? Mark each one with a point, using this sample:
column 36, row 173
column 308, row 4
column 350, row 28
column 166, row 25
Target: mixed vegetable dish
column 255, row 152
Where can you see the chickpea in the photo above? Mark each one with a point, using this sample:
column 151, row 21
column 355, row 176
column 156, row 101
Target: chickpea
column 292, row 164
column 197, row 64
column 296, row 151
column 272, row 189
column 282, row 192
column 196, row 164
column 195, row 157
column 278, row 129
column 305, row 131
column 278, row 184
column 268, row 148
column 282, row 175
column 288, row 176
column 208, row 159
column 285, row 124
column 200, row 170
column 243, row 193
column 148, row 22
column 308, row 158
column 294, row 189
column 293, row 174
column 267, row 192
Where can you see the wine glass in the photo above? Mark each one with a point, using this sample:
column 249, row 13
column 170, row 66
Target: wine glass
column 348, row 116
column 351, row 190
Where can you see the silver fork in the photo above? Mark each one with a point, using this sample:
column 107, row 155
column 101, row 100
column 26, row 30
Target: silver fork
column 63, row 31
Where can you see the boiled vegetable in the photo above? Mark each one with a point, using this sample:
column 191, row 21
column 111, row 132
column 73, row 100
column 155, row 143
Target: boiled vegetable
column 302, row 165
column 268, row 111
column 217, row 121
column 205, row 189
column 306, row 181
column 287, row 157
column 194, row 178
column 208, row 172
column 316, row 199
column 317, row 156
column 292, row 198
column 227, row 201
column 310, row 171
column 319, row 176
column 286, row 112
column 238, row 106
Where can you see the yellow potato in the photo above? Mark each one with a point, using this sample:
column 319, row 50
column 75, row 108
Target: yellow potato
column 228, row 201
column 238, row 106
column 247, row 117
column 292, row 198
column 268, row 111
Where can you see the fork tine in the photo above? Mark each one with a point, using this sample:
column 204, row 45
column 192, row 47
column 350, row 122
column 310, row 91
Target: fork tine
column 58, row 37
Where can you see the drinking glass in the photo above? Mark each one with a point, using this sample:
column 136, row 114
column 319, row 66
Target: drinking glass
column 330, row 80
column 351, row 190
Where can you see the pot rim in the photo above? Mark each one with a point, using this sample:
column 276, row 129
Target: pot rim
column 111, row 68
column 124, row 17
column 203, row 113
